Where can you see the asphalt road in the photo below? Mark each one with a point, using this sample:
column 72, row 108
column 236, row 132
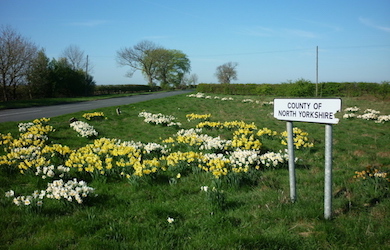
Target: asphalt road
column 26, row 114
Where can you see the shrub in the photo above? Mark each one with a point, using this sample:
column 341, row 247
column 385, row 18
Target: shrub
column 122, row 89
column 300, row 88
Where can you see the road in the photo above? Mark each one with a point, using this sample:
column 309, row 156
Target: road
column 26, row 114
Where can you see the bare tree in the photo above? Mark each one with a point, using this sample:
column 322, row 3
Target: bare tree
column 189, row 79
column 193, row 79
column 227, row 72
column 143, row 56
column 16, row 57
column 75, row 57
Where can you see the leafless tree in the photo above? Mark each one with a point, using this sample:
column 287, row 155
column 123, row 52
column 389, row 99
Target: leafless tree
column 189, row 79
column 143, row 56
column 227, row 72
column 75, row 57
column 193, row 79
column 16, row 56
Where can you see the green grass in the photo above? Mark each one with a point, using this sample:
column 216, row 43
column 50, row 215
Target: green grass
column 259, row 215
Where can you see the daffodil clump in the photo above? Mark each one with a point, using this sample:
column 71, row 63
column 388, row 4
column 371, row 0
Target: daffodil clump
column 375, row 183
column 72, row 190
column 210, row 125
column 241, row 162
column 23, row 127
column 69, row 191
column 152, row 148
column 196, row 140
column 383, row 119
column 6, row 139
column 267, row 103
column 217, row 164
column 203, row 96
column 24, row 159
column 34, row 133
column 197, row 95
column 368, row 114
column 247, row 100
column 103, row 156
column 372, row 172
column 113, row 157
column 272, row 159
column 246, row 142
column 29, row 200
column 267, row 133
column 193, row 116
column 56, row 151
column 159, row 119
column 226, row 125
column 352, row 109
column 51, row 171
column 300, row 139
column 25, row 152
column 349, row 115
column 182, row 163
column 84, row 129
column 94, row 116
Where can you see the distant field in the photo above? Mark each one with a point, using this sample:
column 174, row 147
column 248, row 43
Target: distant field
column 225, row 186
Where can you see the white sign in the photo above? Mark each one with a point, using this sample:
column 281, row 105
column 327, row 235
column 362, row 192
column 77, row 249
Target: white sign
column 307, row 110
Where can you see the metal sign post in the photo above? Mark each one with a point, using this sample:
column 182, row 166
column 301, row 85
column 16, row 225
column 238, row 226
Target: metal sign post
column 291, row 161
column 316, row 111
column 328, row 172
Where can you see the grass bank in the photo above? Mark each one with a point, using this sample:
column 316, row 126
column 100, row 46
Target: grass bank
column 55, row 101
column 181, row 204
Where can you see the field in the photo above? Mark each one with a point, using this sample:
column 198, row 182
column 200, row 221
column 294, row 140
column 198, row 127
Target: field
column 149, row 184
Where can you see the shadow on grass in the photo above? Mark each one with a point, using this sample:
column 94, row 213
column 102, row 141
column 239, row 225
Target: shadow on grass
column 231, row 205
column 264, row 242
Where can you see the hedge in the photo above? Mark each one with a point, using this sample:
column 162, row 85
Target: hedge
column 122, row 89
column 301, row 88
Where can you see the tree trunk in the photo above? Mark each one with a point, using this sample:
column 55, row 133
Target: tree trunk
column 4, row 89
column 150, row 80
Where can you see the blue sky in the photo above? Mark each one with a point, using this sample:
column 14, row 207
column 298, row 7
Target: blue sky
column 272, row 41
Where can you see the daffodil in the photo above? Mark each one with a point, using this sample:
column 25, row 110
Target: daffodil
column 170, row 220
column 94, row 115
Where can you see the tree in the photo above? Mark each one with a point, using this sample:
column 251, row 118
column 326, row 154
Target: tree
column 226, row 72
column 172, row 66
column 68, row 82
column 189, row 80
column 155, row 62
column 144, row 56
column 16, row 56
column 75, row 57
column 180, row 65
column 39, row 84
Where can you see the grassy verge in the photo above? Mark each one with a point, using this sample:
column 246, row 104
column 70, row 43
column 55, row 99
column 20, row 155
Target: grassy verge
column 164, row 210
column 54, row 101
